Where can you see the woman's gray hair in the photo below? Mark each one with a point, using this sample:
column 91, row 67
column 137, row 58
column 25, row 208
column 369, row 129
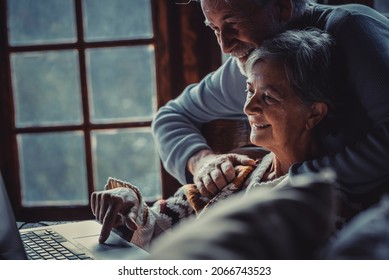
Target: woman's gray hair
column 306, row 55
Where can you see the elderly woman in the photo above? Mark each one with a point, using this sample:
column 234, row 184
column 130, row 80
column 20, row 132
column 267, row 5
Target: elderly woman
column 288, row 96
column 288, row 99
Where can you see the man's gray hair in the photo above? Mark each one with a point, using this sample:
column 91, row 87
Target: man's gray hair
column 306, row 55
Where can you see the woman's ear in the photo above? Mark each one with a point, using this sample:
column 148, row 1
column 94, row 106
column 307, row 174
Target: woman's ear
column 285, row 7
column 318, row 111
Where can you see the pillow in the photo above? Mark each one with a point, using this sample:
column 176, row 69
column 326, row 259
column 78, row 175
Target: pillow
column 366, row 236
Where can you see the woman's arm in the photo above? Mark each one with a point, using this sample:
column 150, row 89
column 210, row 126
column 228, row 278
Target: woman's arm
column 122, row 203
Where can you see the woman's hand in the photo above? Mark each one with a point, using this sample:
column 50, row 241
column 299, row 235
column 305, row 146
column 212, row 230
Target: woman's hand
column 214, row 172
column 115, row 207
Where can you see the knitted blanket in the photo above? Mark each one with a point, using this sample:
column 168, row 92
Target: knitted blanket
column 165, row 213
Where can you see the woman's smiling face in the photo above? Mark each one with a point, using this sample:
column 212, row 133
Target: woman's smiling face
column 277, row 117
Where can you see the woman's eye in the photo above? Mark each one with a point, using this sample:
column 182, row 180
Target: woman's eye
column 269, row 99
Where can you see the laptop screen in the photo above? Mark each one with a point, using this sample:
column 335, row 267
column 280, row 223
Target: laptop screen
column 11, row 247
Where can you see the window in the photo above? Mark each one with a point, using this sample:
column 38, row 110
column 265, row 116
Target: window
column 80, row 81
column 79, row 90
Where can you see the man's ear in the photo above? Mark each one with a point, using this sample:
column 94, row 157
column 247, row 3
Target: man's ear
column 318, row 111
column 286, row 8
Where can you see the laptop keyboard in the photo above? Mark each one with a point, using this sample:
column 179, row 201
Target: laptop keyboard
column 49, row 245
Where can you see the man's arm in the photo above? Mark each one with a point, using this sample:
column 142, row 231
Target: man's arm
column 176, row 126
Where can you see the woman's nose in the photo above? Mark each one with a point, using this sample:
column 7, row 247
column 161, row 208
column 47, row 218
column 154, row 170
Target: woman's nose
column 252, row 106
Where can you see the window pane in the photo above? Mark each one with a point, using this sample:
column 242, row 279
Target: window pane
column 129, row 155
column 41, row 22
column 53, row 169
column 121, row 83
column 117, row 19
column 46, row 88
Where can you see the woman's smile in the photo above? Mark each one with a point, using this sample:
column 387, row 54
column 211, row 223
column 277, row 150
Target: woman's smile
column 258, row 126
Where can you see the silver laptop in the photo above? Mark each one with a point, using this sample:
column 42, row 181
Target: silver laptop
column 74, row 240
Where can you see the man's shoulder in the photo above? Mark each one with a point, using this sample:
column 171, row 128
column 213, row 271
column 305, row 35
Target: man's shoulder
column 341, row 13
column 229, row 77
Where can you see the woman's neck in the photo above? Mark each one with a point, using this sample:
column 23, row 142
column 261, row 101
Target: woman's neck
column 285, row 158
column 275, row 170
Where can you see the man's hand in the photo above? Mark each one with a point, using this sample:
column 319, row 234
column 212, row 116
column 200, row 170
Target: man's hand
column 113, row 208
column 211, row 172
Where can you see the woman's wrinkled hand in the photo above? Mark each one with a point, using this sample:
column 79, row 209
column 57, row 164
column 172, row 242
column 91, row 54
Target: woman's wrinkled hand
column 216, row 171
column 113, row 208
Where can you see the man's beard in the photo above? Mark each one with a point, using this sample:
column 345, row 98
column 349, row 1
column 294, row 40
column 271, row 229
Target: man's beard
column 241, row 66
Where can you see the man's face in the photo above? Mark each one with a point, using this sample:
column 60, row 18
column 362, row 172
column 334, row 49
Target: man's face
column 240, row 26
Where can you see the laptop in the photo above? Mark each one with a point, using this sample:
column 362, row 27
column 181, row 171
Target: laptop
column 73, row 240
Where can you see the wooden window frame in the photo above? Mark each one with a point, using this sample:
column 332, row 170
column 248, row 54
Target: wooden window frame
column 180, row 38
